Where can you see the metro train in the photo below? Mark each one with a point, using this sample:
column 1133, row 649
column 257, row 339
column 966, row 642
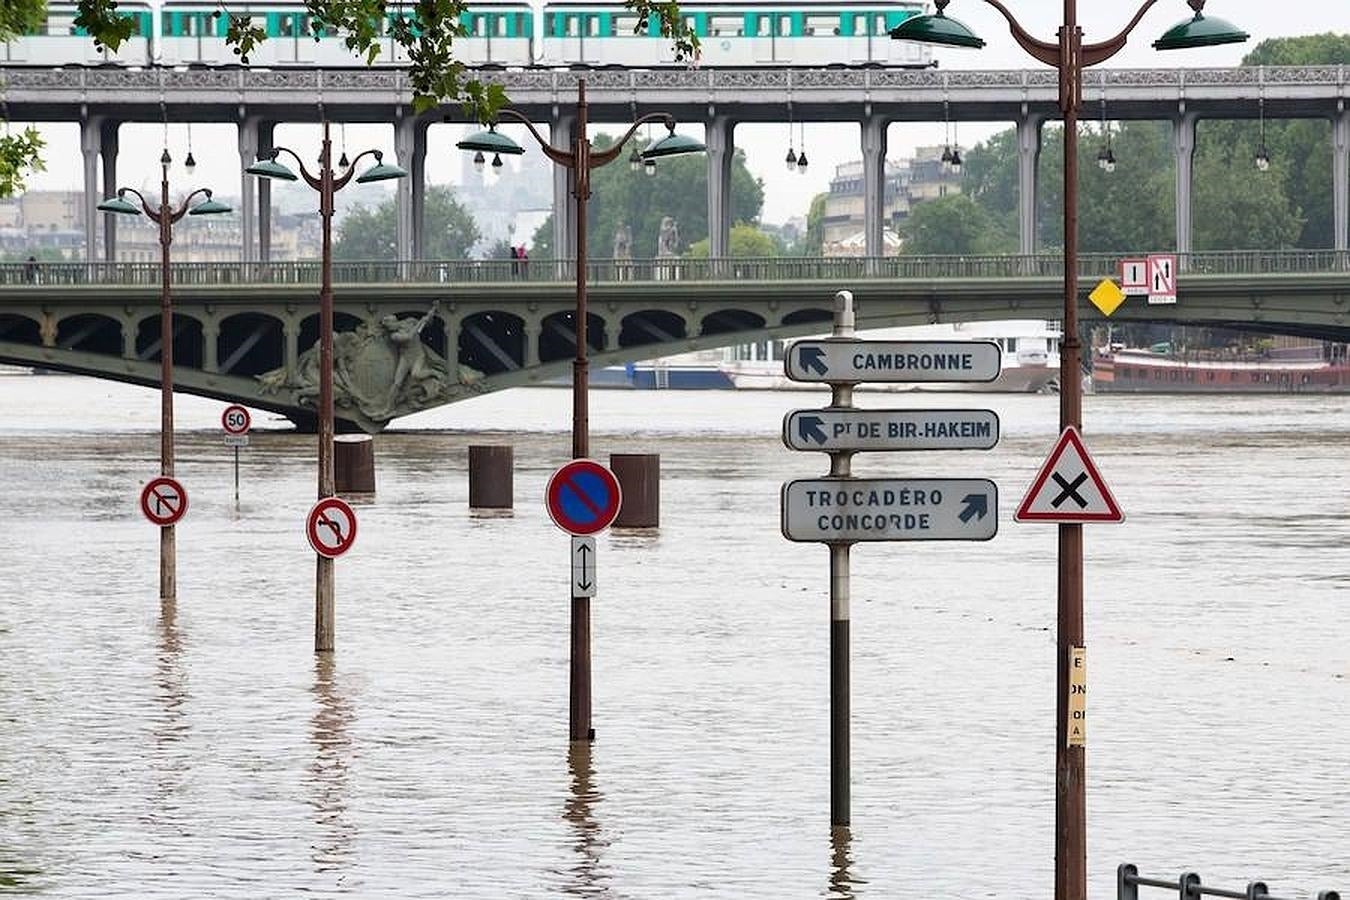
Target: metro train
column 506, row 33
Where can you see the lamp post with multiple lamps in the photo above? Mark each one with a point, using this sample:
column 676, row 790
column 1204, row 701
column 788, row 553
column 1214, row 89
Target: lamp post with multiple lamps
column 327, row 181
column 165, row 215
column 1070, row 55
column 580, row 159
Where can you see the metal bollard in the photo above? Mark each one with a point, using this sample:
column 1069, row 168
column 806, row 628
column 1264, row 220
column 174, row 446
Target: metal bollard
column 491, row 473
column 1126, row 886
column 1328, row 895
column 1256, row 890
column 639, row 477
column 354, row 464
column 1189, row 883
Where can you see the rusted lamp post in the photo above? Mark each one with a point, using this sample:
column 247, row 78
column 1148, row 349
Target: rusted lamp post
column 165, row 215
column 327, row 182
column 1070, row 56
column 580, row 158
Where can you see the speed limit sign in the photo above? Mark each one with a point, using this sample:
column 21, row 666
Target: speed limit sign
column 236, row 421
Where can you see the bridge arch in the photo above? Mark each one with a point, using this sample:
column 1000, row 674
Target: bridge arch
column 726, row 321
column 189, row 344
column 90, row 332
column 652, row 326
column 250, row 343
column 309, row 327
column 803, row 316
column 433, row 335
column 492, row 342
column 20, row 329
column 557, row 335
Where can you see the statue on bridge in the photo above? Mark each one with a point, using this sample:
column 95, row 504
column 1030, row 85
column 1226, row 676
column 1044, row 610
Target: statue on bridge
column 668, row 239
column 380, row 369
column 623, row 242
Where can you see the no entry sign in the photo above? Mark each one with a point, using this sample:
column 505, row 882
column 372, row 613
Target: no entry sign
column 164, row 501
column 235, row 420
column 331, row 527
column 583, row 497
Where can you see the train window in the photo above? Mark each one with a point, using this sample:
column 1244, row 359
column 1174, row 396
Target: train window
column 763, row 27
column 626, row 25
column 879, row 24
column 784, row 26
column 593, row 26
column 501, row 26
column 479, row 26
column 573, row 28
column 726, row 26
column 822, row 25
column 286, row 25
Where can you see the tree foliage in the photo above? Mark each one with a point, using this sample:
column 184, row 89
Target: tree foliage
column 19, row 155
column 20, row 17
column 678, row 189
column 746, row 241
column 950, row 224
column 426, row 30
column 450, row 231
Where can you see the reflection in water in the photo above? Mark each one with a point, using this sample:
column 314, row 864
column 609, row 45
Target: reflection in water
column 589, row 876
column 327, row 779
column 170, row 726
column 843, row 883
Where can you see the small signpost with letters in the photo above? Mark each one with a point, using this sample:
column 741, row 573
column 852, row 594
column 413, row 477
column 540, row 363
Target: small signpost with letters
column 839, row 510
column 236, row 421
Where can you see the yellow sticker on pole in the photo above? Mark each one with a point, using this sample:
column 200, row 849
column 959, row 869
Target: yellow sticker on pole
column 1077, row 725
column 1107, row 296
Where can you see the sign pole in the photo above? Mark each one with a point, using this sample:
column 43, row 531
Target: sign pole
column 236, row 475
column 841, row 466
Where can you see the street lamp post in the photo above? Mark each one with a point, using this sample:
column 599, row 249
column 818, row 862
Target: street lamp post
column 581, row 158
column 1070, row 56
column 327, row 182
column 165, row 216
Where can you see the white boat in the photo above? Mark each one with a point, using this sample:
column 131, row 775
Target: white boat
column 1030, row 361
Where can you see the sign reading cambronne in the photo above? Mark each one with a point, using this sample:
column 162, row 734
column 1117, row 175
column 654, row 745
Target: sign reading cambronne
column 845, row 510
column 845, row 361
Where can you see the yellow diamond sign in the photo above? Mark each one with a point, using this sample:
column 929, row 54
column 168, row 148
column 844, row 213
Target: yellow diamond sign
column 1107, row 297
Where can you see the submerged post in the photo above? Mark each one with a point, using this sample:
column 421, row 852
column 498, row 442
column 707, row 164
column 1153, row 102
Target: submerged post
column 841, row 466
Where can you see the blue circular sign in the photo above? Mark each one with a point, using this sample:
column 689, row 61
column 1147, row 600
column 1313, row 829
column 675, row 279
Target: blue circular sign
column 583, row 497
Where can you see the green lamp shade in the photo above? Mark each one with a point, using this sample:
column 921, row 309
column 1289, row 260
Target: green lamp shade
column 937, row 29
column 270, row 168
column 118, row 205
column 491, row 142
column 381, row 171
column 209, row 207
column 1201, row 31
column 673, row 145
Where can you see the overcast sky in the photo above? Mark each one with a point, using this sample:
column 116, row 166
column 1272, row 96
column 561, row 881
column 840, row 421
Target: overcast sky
column 786, row 194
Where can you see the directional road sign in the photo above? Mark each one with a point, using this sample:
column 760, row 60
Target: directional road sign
column 331, row 527
column 836, row 361
column 235, row 420
column 583, row 566
column 847, row 429
column 1068, row 489
column 845, row 510
column 583, row 497
column 164, row 501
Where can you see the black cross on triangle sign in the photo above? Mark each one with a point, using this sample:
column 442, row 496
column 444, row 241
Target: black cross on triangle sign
column 1068, row 489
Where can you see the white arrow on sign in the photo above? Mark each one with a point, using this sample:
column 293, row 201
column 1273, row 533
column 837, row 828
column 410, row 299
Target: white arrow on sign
column 890, row 429
column 583, row 566
column 835, row 361
column 847, row 510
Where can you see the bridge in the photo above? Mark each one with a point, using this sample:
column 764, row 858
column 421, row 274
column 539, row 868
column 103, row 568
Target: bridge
column 241, row 329
column 870, row 99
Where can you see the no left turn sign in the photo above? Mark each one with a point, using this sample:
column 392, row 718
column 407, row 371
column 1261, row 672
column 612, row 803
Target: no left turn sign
column 331, row 527
column 164, row 501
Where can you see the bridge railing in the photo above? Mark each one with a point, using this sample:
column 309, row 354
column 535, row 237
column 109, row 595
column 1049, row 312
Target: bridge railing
column 835, row 270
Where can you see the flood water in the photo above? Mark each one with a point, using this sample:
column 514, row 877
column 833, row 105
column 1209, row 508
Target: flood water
column 200, row 750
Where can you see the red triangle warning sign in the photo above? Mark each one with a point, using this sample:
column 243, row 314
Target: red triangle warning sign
column 1068, row 488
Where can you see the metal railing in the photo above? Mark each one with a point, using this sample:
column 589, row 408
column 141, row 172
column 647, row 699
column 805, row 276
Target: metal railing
column 835, row 270
column 1189, row 887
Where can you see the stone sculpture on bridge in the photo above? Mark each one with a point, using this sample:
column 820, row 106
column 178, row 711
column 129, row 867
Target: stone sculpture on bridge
column 668, row 239
column 381, row 370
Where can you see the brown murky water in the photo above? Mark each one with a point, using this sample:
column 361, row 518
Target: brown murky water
column 202, row 751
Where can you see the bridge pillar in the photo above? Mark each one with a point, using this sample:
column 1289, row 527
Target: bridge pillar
column 532, row 332
column 874, row 187
column 211, row 345
column 248, row 152
column 720, row 141
column 417, row 178
column 452, row 325
column 128, row 339
column 1183, row 129
column 91, row 141
column 1340, row 178
column 1028, row 168
column 108, row 151
column 562, row 130
column 291, row 331
column 404, row 190
column 265, row 142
